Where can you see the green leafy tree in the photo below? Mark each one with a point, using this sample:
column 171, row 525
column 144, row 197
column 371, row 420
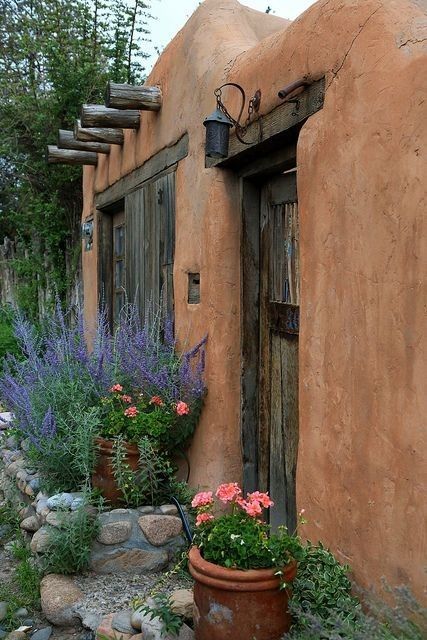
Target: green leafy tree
column 54, row 56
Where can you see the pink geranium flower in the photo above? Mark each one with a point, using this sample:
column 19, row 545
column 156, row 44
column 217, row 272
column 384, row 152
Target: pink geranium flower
column 251, row 507
column 182, row 408
column 116, row 387
column 203, row 517
column 262, row 498
column 228, row 492
column 126, row 398
column 131, row 412
column 202, row 499
column 157, row 401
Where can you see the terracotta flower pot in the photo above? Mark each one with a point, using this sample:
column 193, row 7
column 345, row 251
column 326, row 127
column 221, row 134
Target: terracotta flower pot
column 231, row 604
column 103, row 474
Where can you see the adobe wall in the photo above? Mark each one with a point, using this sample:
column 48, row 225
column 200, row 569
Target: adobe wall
column 361, row 175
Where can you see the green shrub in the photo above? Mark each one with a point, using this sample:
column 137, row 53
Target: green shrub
column 69, row 546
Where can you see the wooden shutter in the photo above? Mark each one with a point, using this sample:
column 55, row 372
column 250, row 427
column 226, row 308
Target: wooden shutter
column 150, row 241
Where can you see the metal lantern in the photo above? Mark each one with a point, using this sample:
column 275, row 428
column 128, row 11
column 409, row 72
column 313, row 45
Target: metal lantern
column 217, row 134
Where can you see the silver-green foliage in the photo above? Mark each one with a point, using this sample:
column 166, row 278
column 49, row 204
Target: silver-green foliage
column 66, row 459
column 69, row 546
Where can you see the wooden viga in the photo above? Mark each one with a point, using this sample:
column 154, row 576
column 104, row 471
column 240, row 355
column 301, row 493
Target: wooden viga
column 98, row 134
column 67, row 140
column 97, row 115
column 127, row 96
column 55, row 155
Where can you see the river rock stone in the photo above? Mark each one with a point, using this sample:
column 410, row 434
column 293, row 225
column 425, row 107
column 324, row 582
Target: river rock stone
column 29, row 491
column 26, row 512
column 34, row 483
column 130, row 561
column 150, row 628
column 41, row 539
column 169, row 509
column 16, row 635
column 59, row 595
column 21, row 613
column 160, row 529
column 115, row 532
column 90, row 620
column 60, row 501
column 77, row 503
column 122, row 622
column 182, row 602
column 30, row 524
column 3, row 610
column 105, row 630
column 42, row 634
column 58, row 518
column 146, row 510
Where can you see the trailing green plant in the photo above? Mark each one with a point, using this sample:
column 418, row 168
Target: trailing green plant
column 69, row 545
column 322, row 586
column 161, row 608
column 324, row 607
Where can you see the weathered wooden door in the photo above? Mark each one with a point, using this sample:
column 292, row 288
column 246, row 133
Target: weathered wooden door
column 150, row 243
column 278, row 355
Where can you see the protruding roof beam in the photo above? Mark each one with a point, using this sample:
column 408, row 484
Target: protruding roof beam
column 127, row 96
column 66, row 140
column 96, row 115
column 95, row 134
column 70, row 156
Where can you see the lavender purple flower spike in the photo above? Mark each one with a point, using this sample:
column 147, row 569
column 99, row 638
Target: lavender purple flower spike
column 60, row 370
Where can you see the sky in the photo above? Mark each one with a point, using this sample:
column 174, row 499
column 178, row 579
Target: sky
column 173, row 14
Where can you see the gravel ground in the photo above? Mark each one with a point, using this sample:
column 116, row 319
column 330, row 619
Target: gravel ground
column 103, row 594
column 111, row 593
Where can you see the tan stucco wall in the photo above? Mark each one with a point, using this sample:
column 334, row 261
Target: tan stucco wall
column 361, row 186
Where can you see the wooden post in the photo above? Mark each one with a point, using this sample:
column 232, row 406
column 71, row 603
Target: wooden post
column 70, row 156
column 66, row 140
column 95, row 134
column 127, row 96
column 96, row 115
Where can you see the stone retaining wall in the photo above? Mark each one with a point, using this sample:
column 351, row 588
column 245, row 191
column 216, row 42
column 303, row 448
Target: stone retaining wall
column 141, row 540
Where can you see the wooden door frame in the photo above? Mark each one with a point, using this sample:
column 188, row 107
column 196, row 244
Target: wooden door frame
column 252, row 177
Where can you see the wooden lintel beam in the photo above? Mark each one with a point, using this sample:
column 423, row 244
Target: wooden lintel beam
column 267, row 130
column 96, row 115
column 66, row 140
column 96, row 134
column 127, row 96
column 70, row 156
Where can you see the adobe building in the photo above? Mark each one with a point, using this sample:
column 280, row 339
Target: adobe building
column 301, row 253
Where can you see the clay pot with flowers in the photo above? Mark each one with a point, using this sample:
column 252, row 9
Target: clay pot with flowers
column 242, row 571
column 129, row 418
